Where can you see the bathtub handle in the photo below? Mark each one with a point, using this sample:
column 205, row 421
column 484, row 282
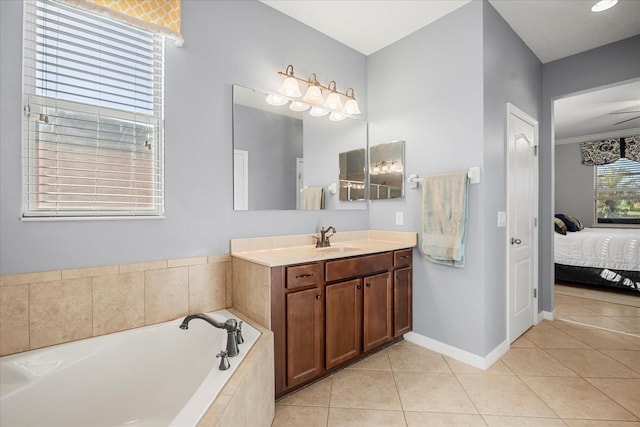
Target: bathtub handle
column 239, row 337
column 224, row 360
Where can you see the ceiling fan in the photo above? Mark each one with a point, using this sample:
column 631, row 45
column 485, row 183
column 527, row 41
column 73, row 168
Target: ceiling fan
column 627, row 112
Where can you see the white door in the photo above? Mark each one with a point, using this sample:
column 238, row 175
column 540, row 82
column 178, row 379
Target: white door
column 240, row 180
column 299, row 179
column 522, row 212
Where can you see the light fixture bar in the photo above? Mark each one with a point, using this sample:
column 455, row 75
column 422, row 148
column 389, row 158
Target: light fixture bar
column 311, row 81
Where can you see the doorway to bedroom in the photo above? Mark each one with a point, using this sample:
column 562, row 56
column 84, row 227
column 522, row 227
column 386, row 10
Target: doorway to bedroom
column 597, row 202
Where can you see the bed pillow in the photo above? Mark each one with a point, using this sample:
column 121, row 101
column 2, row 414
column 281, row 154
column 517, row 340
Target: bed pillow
column 560, row 226
column 571, row 222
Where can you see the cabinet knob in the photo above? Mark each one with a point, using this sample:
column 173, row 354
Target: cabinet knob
column 368, row 285
column 359, row 287
column 318, row 296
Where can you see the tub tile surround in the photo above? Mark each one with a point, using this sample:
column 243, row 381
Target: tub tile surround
column 53, row 307
column 248, row 398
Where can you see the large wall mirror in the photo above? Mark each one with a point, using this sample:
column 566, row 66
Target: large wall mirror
column 287, row 160
column 386, row 170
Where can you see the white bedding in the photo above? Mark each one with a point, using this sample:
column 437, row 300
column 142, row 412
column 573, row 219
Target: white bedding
column 615, row 248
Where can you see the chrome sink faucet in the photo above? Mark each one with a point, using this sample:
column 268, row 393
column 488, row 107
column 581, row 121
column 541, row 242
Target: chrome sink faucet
column 234, row 331
column 323, row 240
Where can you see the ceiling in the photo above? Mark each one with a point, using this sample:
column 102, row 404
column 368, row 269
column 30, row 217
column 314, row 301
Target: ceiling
column 552, row 29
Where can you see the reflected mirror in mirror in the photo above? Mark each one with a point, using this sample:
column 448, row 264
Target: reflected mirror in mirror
column 287, row 160
column 386, row 171
column 352, row 175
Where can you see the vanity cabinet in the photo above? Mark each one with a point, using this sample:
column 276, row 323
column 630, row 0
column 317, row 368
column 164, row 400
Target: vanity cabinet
column 327, row 313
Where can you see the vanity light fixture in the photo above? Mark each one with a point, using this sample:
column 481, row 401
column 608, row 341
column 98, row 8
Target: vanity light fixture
column 603, row 5
column 313, row 97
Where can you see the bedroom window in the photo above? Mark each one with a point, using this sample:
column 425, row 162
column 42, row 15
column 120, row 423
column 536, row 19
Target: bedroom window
column 93, row 115
column 618, row 192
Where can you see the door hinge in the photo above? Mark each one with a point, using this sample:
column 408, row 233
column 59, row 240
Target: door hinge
column 535, row 293
column 535, row 221
column 535, row 150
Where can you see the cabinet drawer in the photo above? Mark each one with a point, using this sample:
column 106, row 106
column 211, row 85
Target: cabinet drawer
column 358, row 266
column 304, row 275
column 403, row 258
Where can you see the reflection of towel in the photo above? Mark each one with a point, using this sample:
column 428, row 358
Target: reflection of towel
column 312, row 198
column 444, row 218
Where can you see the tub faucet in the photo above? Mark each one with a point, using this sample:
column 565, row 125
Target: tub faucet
column 323, row 240
column 231, row 326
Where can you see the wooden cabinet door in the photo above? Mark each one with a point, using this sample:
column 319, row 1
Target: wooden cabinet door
column 343, row 322
column 402, row 312
column 377, row 328
column 304, row 335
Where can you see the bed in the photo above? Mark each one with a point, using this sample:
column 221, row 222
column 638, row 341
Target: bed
column 599, row 256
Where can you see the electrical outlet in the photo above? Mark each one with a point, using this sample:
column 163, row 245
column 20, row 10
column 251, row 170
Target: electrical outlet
column 399, row 218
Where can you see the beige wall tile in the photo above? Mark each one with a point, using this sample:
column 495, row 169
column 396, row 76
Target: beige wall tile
column 207, row 287
column 90, row 272
column 14, row 319
column 59, row 311
column 218, row 258
column 251, row 291
column 143, row 266
column 25, row 278
column 229, row 282
column 181, row 262
column 118, row 302
column 166, row 294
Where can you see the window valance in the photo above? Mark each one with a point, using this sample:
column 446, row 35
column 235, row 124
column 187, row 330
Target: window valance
column 607, row 151
column 159, row 16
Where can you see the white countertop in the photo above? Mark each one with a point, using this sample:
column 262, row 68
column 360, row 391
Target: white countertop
column 284, row 250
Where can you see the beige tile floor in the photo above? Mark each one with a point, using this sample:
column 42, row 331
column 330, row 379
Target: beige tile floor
column 593, row 306
column 558, row 373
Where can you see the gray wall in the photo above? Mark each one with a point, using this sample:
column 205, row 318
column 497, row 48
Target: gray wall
column 274, row 142
column 443, row 90
column 606, row 65
column 574, row 184
column 512, row 73
column 227, row 42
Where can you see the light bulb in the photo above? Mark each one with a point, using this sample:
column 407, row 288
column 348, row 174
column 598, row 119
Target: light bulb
column 313, row 95
column 290, row 88
column 333, row 102
column 276, row 100
column 351, row 107
column 299, row 106
column 336, row 116
column 318, row 112
column 603, row 5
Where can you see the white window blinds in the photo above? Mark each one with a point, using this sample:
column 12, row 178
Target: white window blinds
column 93, row 127
column 618, row 192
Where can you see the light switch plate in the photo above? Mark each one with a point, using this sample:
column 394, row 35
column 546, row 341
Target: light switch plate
column 502, row 219
column 399, row 218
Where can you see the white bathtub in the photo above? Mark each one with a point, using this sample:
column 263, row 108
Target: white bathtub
column 157, row 375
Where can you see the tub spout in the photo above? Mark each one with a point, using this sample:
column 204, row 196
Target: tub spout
column 231, row 326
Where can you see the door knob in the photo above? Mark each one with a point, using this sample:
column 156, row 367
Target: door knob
column 515, row 241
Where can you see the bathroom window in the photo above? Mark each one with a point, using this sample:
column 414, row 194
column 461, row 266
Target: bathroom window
column 618, row 192
column 93, row 115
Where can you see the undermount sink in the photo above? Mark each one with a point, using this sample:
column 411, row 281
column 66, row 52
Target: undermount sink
column 338, row 249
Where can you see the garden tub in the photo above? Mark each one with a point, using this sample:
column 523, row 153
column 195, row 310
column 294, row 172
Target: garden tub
column 157, row 375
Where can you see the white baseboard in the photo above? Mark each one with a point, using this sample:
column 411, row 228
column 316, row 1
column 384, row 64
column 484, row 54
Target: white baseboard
column 464, row 356
column 544, row 315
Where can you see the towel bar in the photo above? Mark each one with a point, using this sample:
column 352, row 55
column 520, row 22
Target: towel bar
column 473, row 173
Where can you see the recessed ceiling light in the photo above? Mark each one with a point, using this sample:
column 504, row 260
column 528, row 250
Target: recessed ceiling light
column 603, row 5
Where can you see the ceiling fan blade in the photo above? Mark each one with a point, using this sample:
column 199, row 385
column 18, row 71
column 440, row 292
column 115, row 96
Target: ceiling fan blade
column 628, row 120
column 626, row 112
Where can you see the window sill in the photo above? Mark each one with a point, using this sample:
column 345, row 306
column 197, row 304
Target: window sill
column 88, row 218
column 612, row 225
